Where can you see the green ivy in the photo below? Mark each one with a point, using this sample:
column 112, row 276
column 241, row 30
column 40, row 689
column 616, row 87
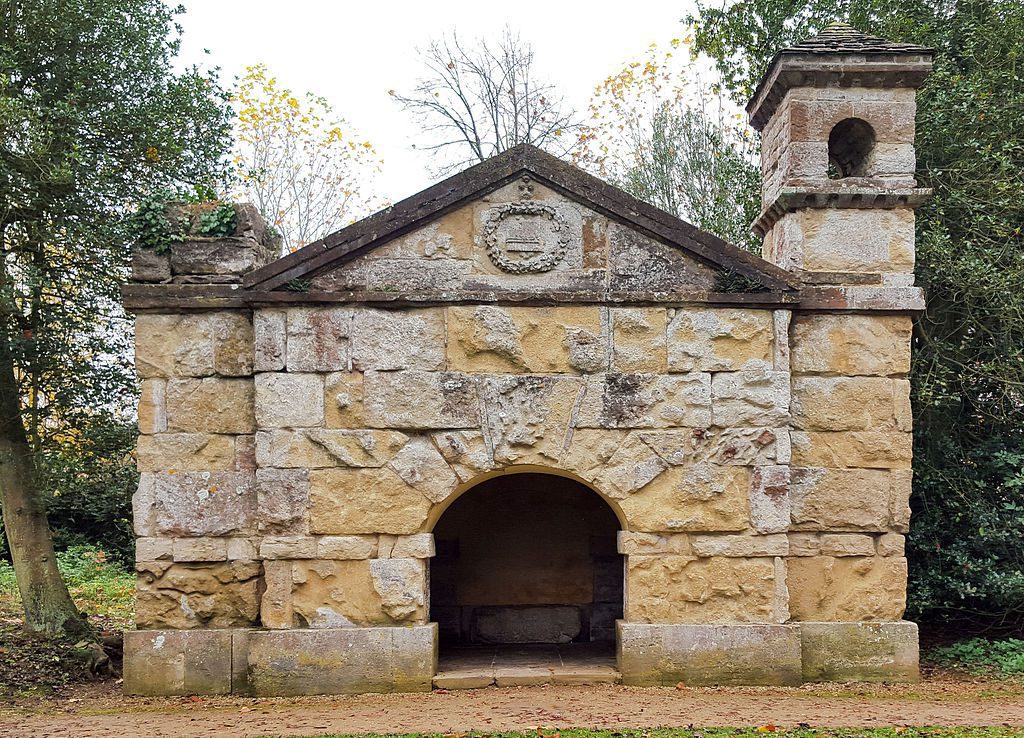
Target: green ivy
column 219, row 222
column 151, row 226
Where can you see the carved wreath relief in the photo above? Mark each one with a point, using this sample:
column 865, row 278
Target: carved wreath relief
column 525, row 237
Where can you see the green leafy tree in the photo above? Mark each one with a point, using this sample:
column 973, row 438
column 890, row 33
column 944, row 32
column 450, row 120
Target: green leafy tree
column 657, row 130
column 966, row 550
column 93, row 117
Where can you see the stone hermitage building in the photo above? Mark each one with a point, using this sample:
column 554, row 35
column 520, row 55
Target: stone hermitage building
column 524, row 407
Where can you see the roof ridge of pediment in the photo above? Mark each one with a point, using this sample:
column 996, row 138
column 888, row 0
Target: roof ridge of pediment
column 476, row 181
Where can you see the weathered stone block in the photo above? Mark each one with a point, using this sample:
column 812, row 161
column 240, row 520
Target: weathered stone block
column 242, row 549
column 858, row 449
column 495, row 339
column 720, row 340
column 824, row 588
column 342, row 661
column 318, row 339
column 840, row 499
column 702, row 497
column 638, row 340
column 860, row 652
column 177, row 662
column 874, row 345
column 741, row 446
column 846, row 544
column 750, row 398
column 419, row 546
column 741, row 546
column 210, row 405
column 699, row 655
column 682, row 589
column 185, row 452
column 149, row 266
column 646, row 401
column 420, row 465
column 282, row 501
column 851, row 403
column 465, row 451
column 884, row 242
column 200, row 549
column 357, row 501
column 347, row 547
column 770, row 505
column 386, row 340
column 209, row 595
column 224, row 257
column 891, row 544
column 201, row 503
column 528, row 418
column 343, row 400
column 270, row 340
column 193, row 345
column 900, row 488
column 154, row 549
column 286, row 400
column 414, row 399
column 632, row 544
column 316, row 448
column 153, row 406
column 288, row 547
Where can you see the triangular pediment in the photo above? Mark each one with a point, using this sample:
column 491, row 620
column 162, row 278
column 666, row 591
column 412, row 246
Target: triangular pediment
column 519, row 226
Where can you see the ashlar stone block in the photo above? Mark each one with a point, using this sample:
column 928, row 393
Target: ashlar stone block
column 343, row 400
column 200, row 595
column 826, row 588
column 853, row 449
column 427, row 400
column 750, row 398
column 493, row 339
column 527, row 418
column 362, row 501
column 638, row 340
column 318, row 339
column 153, row 406
column 386, row 340
column 720, row 340
column 210, row 405
column 851, row 403
column 646, row 401
column 840, row 499
column 420, row 465
column 870, row 345
column 282, row 501
column 289, row 400
column 185, row 452
column 316, row 448
column 200, row 503
column 682, row 589
column 702, row 497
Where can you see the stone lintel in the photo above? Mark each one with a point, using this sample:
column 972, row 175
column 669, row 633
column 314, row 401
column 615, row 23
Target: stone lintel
column 828, row 194
column 653, row 655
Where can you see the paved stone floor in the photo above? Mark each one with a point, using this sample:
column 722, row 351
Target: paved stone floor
column 472, row 667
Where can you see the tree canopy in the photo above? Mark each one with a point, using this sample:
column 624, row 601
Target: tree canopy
column 93, row 117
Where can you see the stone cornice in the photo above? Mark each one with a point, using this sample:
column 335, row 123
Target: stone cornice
column 829, row 196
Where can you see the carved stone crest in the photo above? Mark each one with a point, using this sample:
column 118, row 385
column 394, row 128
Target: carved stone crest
column 525, row 237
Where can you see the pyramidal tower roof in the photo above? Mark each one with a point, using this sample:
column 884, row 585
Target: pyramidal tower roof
column 839, row 56
column 842, row 38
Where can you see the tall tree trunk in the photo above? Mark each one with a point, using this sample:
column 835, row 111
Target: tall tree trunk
column 48, row 606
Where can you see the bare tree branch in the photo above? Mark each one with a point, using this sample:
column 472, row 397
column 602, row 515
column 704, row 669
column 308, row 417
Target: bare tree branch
column 478, row 100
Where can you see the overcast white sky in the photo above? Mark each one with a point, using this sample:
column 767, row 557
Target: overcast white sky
column 353, row 52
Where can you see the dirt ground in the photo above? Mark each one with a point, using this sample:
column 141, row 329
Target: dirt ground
column 101, row 710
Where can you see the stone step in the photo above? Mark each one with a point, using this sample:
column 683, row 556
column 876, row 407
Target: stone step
column 525, row 676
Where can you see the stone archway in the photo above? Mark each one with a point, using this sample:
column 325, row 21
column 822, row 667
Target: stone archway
column 527, row 577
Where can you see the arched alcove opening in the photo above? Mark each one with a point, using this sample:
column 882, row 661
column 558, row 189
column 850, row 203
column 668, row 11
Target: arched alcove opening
column 850, row 144
column 527, row 563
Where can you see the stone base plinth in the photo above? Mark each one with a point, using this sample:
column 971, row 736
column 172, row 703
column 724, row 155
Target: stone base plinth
column 280, row 663
column 793, row 653
column 651, row 655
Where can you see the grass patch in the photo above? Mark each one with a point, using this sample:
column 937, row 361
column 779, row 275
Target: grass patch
column 758, row 732
column 36, row 665
column 1001, row 658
